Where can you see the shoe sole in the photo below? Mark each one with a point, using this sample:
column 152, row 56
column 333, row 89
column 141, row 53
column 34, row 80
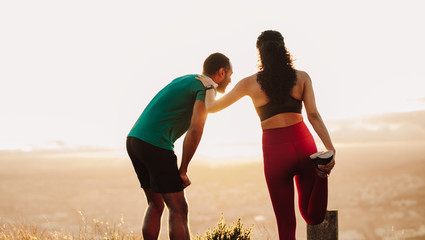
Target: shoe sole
column 322, row 158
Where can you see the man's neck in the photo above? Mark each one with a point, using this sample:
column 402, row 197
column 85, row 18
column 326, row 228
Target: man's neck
column 213, row 77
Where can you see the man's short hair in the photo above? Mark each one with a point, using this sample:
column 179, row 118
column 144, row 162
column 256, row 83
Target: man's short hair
column 214, row 62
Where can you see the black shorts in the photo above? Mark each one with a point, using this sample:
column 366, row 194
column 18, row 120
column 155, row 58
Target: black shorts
column 155, row 167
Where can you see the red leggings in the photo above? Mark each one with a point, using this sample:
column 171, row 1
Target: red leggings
column 286, row 154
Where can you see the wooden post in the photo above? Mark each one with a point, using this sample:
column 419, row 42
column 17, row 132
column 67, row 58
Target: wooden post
column 327, row 230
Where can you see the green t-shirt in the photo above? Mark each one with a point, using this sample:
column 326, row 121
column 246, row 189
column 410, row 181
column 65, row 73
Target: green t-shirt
column 167, row 117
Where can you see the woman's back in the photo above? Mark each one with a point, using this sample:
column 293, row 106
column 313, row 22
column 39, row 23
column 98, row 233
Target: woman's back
column 260, row 99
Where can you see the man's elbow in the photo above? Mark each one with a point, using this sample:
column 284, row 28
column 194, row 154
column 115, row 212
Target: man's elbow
column 196, row 130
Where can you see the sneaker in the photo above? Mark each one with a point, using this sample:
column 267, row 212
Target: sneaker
column 322, row 158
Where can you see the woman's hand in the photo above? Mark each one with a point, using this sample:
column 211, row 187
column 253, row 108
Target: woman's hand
column 328, row 167
column 206, row 80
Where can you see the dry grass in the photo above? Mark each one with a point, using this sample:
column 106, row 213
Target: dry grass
column 97, row 229
column 89, row 230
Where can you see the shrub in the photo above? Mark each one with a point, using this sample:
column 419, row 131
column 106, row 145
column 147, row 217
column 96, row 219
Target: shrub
column 227, row 232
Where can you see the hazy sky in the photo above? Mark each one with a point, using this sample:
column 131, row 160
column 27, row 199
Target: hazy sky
column 79, row 73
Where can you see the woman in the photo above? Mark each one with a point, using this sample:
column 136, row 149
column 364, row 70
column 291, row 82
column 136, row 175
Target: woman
column 277, row 92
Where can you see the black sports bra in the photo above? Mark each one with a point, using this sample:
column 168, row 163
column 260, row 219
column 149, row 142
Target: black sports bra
column 270, row 109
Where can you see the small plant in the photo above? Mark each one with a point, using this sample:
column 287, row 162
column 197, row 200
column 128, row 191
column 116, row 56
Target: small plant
column 227, row 232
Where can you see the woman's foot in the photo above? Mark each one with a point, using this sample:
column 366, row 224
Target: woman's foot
column 324, row 162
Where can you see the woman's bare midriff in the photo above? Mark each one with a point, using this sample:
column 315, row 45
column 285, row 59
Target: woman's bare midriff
column 282, row 120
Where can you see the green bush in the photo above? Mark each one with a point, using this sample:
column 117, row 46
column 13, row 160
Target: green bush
column 227, row 232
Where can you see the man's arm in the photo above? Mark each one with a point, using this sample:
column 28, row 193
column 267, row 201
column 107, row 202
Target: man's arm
column 192, row 139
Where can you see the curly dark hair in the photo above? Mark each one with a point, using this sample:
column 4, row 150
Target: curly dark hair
column 276, row 73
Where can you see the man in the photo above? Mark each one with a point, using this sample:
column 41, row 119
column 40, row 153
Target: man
column 177, row 108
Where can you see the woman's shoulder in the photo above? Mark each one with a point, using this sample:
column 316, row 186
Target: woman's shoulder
column 252, row 77
column 248, row 81
column 302, row 76
column 249, row 84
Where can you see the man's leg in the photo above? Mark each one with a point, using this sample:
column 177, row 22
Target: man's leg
column 152, row 221
column 178, row 223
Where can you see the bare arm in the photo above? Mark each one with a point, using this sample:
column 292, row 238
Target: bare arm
column 215, row 105
column 192, row 138
column 313, row 114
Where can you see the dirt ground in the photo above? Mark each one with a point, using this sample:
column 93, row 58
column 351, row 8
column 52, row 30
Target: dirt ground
column 378, row 190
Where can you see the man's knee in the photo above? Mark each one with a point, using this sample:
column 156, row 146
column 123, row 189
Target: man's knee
column 155, row 201
column 156, row 205
column 182, row 207
column 176, row 203
column 179, row 207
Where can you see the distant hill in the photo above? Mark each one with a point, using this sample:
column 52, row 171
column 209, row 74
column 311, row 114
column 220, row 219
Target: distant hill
column 406, row 126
